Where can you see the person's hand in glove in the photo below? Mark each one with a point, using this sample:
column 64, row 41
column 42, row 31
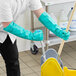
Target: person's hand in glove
column 38, row 35
column 50, row 24
column 19, row 31
column 62, row 33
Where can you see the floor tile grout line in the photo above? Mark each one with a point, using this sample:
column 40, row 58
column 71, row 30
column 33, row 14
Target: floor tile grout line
column 30, row 73
column 71, row 47
column 35, row 60
column 70, row 55
column 2, row 70
column 64, row 60
column 29, row 67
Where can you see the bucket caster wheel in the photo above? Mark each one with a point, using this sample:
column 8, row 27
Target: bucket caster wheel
column 34, row 49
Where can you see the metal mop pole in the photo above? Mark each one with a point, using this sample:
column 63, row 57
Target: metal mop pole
column 43, row 50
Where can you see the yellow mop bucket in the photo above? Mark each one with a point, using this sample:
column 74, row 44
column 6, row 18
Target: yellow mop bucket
column 69, row 72
column 51, row 66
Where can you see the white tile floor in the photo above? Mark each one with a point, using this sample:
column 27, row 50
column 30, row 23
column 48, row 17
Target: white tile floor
column 30, row 64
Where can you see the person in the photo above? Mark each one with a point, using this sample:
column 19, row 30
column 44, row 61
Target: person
column 10, row 10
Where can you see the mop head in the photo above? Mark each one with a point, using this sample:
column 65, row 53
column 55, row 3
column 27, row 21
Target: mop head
column 51, row 68
column 51, row 53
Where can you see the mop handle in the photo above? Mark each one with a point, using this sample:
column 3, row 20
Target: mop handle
column 62, row 43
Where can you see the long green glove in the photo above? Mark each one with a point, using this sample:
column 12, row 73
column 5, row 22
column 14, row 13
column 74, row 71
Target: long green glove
column 49, row 23
column 21, row 32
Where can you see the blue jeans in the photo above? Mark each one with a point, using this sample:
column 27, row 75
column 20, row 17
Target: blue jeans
column 9, row 53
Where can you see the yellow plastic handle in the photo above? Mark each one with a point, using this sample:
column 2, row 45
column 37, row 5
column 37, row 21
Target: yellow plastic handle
column 69, row 72
column 62, row 44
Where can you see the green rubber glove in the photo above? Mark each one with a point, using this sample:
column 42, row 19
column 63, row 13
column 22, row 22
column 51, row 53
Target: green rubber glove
column 21, row 32
column 50, row 24
column 38, row 35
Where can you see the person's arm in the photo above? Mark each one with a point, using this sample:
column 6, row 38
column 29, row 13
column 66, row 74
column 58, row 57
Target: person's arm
column 49, row 23
column 5, row 24
column 19, row 31
column 6, row 19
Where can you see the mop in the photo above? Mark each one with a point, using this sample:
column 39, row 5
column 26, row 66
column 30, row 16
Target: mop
column 50, row 53
column 51, row 64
